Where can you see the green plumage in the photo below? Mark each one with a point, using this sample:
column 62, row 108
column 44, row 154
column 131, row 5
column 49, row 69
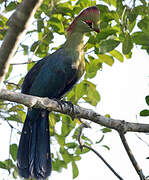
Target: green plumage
column 52, row 77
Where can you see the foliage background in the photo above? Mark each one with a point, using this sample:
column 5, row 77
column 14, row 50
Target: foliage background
column 123, row 24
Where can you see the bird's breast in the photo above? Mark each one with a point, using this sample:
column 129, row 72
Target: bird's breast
column 79, row 63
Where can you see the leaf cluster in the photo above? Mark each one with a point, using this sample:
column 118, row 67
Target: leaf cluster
column 122, row 27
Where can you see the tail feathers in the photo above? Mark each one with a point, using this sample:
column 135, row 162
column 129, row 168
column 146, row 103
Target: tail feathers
column 34, row 149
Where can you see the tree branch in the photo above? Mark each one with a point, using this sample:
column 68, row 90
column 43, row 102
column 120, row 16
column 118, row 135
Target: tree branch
column 17, row 24
column 79, row 112
column 131, row 156
column 82, row 145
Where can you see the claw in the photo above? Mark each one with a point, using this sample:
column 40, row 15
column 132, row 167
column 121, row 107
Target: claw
column 60, row 102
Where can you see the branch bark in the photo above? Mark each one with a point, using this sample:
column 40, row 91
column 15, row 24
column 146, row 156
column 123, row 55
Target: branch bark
column 17, row 24
column 83, row 145
column 131, row 156
column 78, row 112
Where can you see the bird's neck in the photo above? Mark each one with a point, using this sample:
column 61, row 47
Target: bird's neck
column 74, row 41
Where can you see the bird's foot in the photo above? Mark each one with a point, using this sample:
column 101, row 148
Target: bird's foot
column 69, row 103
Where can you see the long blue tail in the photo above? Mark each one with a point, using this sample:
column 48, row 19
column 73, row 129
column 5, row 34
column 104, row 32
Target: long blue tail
column 34, row 158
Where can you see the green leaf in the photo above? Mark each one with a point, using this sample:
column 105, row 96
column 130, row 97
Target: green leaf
column 9, row 72
column 147, row 100
column 11, row 6
column 141, row 38
column 105, row 33
column 13, row 151
column 71, row 145
column 101, row 139
column 144, row 24
column 117, row 55
column 16, row 108
column 107, row 147
column 56, row 24
column 2, row 165
column 25, row 49
column 66, row 156
column 108, row 45
column 106, row 130
column 106, row 59
column 60, row 139
column 93, row 96
column 76, row 158
column 7, row 164
column 92, row 68
column 67, row 125
column 30, row 65
column 57, row 165
column 80, row 90
column 75, row 169
column 127, row 44
column 78, row 151
column 144, row 112
column 40, row 24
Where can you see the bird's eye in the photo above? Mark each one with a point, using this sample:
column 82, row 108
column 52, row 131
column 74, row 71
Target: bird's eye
column 89, row 23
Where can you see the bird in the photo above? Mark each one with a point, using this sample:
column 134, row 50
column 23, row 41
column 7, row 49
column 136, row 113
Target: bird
column 52, row 77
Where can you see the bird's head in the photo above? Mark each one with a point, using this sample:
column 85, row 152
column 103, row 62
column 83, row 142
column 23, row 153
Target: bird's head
column 86, row 21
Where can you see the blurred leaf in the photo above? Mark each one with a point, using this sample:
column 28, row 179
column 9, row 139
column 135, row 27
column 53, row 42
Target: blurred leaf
column 30, row 65
column 100, row 140
column 127, row 44
column 93, row 96
column 75, row 169
column 108, row 45
column 141, row 38
column 147, row 100
column 144, row 24
column 92, row 68
column 107, row 147
column 16, row 108
column 60, row 139
column 56, row 24
column 2, row 165
column 144, row 112
column 67, row 125
column 78, row 150
column 8, row 164
column 71, row 145
column 106, row 59
column 76, row 158
column 131, row 26
column 25, row 49
column 105, row 33
column 57, row 165
column 106, row 130
column 9, row 72
column 13, row 151
column 66, row 156
column 117, row 55
column 80, row 90
column 11, row 6
column 40, row 24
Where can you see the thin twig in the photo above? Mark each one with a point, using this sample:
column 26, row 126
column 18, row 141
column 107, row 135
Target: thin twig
column 106, row 163
column 28, row 62
column 145, row 142
column 82, row 145
column 9, row 146
column 131, row 156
